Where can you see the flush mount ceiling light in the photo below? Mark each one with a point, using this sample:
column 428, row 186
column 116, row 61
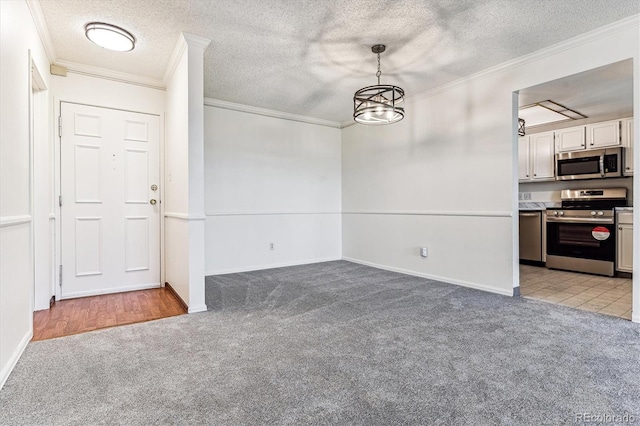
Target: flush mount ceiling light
column 546, row 112
column 109, row 36
column 379, row 104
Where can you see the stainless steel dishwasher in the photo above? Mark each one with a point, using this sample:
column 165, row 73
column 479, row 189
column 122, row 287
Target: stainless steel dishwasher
column 531, row 236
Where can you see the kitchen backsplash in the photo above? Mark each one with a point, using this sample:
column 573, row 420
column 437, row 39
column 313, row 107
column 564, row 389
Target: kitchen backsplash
column 550, row 191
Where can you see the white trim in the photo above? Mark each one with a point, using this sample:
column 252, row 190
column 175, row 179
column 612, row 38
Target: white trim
column 176, row 55
column 461, row 283
column 43, row 30
column 196, row 41
column 432, row 213
column 109, row 290
column 588, row 37
column 215, row 103
column 106, row 74
column 196, row 309
column 635, row 318
column 184, row 40
column 265, row 213
column 184, row 216
column 52, row 216
column 14, row 220
column 15, row 357
column 271, row 266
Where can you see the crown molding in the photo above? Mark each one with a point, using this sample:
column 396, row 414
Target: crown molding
column 178, row 50
column 196, row 41
column 106, row 74
column 43, row 30
column 590, row 36
column 184, row 40
column 270, row 113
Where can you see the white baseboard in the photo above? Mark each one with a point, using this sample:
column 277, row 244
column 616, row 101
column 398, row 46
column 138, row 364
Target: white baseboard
column 468, row 284
column 13, row 360
column 635, row 317
column 110, row 290
column 270, row 266
column 194, row 309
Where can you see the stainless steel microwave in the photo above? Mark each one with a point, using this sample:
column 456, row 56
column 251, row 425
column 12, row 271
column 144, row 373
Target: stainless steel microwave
column 591, row 164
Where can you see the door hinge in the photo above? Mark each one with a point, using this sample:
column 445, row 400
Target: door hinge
column 60, row 126
column 60, row 275
column 60, row 200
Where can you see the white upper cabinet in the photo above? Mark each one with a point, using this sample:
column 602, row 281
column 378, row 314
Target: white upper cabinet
column 627, row 142
column 536, row 157
column 523, row 158
column 603, row 134
column 543, row 156
column 570, row 139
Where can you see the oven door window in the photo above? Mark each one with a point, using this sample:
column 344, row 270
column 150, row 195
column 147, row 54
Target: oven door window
column 587, row 241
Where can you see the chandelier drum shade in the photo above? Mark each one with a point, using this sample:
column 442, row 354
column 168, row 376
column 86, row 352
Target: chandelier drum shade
column 379, row 104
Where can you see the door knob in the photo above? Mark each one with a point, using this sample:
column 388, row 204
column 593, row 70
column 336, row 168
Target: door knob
column 152, row 202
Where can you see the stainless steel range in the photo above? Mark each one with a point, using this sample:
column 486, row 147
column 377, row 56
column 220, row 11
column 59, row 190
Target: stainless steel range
column 581, row 234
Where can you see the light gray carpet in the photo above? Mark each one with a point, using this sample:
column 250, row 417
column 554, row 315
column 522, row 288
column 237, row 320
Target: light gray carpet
column 336, row 343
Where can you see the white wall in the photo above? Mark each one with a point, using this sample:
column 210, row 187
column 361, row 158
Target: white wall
column 184, row 175
column 270, row 180
column 43, row 204
column 176, row 201
column 18, row 35
column 446, row 176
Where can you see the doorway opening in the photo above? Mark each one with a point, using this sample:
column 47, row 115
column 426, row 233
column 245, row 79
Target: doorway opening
column 575, row 191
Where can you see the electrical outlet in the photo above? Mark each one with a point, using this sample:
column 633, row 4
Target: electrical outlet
column 424, row 252
column 527, row 196
column 272, row 246
column 520, row 196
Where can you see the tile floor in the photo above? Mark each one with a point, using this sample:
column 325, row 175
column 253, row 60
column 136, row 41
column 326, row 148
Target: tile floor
column 605, row 295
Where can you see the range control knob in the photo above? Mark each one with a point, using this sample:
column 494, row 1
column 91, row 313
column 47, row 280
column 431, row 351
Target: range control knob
column 600, row 213
column 561, row 213
column 555, row 213
column 593, row 213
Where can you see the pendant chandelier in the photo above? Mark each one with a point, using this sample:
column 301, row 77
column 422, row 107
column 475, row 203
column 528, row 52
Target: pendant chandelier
column 521, row 131
column 379, row 104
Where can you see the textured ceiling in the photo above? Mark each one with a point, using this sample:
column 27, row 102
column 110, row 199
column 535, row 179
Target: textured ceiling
column 309, row 57
column 602, row 92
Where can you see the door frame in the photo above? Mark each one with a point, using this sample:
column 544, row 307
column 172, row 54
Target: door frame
column 38, row 130
column 57, row 111
column 635, row 286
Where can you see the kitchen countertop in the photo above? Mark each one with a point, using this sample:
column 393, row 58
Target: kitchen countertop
column 624, row 209
column 536, row 205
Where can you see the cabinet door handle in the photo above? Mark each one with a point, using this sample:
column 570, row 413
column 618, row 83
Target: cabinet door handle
column 620, row 228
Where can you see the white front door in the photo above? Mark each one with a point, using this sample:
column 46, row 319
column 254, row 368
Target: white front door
column 109, row 175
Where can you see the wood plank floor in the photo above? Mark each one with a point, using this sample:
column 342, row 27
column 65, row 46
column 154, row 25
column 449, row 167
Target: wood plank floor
column 74, row 316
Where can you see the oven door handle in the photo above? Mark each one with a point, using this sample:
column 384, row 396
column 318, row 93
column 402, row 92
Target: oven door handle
column 608, row 221
column 602, row 165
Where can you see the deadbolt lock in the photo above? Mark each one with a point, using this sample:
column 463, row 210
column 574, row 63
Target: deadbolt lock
column 154, row 187
column 152, row 202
